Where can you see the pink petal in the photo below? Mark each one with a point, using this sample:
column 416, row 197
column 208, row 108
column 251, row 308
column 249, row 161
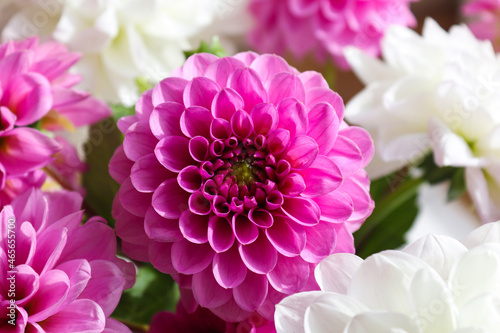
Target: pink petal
column 26, row 283
column 247, row 57
column 160, row 255
column 78, row 271
column 345, row 240
column 347, row 156
column 290, row 275
column 161, row 229
column 190, row 179
column 31, row 206
column 169, row 200
column 170, row 89
column 120, row 165
column 323, row 126
column 335, row 206
column 284, row 85
column 139, row 141
column 50, row 245
column 228, row 268
column 135, row 251
column 302, row 152
column 207, row 292
column 293, row 185
column 81, row 316
column 303, row 8
column 173, row 153
column 132, row 200
column 220, row 234
column 268, row 65
column 220, row 70
column 61, row 204
column 26, row 149
column 105, row 286
column 318, row 95
column 252, row 292
column 321, row 241
column 194, row 227
column 278, row 140
column 261, row 218
column 200, row 91
column 303, row 211
column 114, row 326
column 220, row 129
column 248, row 85
column 293, row 116
column 165, row 120
column 199, row 148
column 195, row 121
column 260, row 256
column 226, row 103
column 190, row 258
column 54, row 286
column 25, row 243
column 197, row 65
column 124, row 123
column 7, row 119
column 12, row 65
column 147, row 174
column 286, row 236
column 144, row 106
column 323, row 176
column 312, row 79
column 363, row 140
column 245, row 231
column 242, row 124
column 130, row 228
column 361, row 199
column 79, row 106
column 265, row 118
column 231, row 312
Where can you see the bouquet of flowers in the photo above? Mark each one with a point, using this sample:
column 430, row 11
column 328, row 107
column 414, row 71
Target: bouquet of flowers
column 157, row 174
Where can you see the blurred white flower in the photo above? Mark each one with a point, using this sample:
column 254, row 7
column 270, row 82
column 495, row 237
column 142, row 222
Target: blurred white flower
column 435, row 285
column 122, row 40
column 440, row 92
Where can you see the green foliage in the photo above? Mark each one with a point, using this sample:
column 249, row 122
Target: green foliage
column 457, row 186
column 215, row 48
column 104, row 138
column 153, row 292
column 121, row 111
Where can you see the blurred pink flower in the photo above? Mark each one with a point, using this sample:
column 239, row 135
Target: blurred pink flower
column 324, row 27
column 238, row 175
column 484, row 16
column 67, row 275
column 36, row 93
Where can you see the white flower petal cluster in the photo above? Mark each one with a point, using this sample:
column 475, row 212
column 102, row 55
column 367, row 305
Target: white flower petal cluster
column 122, row 40
column 440, row 92
column 435, row 285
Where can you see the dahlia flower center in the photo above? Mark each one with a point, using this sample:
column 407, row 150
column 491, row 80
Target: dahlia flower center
column 243, row 172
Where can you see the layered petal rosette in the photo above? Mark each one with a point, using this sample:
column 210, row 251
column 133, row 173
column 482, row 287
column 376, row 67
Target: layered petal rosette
column 36, row 98
column 435, row 284
column 446, row 103
column 484, row 17
column 242, row 175
column 324, row 28
column 66, row 276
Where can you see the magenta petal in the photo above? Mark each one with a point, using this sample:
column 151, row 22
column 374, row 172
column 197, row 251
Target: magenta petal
column 196, row 120
column 345, row 240
column 226, row 103
column 303, row 211
column 284, row 85
column 290, row 275
column 198, row 204
column 135, row 251
column 190, row 179
column 335, row 206
column 231, row 312
column 54, row 286
column 170, row 89
column 260, row 256
column 347, row 155
column 132, row 200
column 199, row 148
column 301, row 152
column 220, row 234
column 318, row 95
column 252, row 292
column 81, row 108
column 228, row 268
column 293, row 116
column 286, row 236
column 200, row 91
column 31, row 206
column 173, row 153
column 312, row 79
column 147, row 174
column 25, row 243
column 50, row 245
column 361, row 199
column 124, row 123
column 265, row 118
column 114, row 326
column 161, row 229
column 321, row 241
column 144, row 106
column 323, row 126
column 26, row 282
column 105, row 286
column 61, row 204
column 247, row 84
column 194, row 227
column 247, row 57
column 220, row 129
column 278, row 140
column 120, row 165
column 165, row 120
column 267, row 65
column 81, row 316
column 363, row 140
column 189, row 258
column 7, row 119
column 26, row 149
column 242, row 124
column 139, row 141
column 220, row 70
column 13, row 65
column 130, row 228
column 169, row 200
column 322, row 176
column 160, row 255
column 245, row 231
column 207, row 292
column 197, row 65
column 293, row 185
column 261, row 218
column 78, row 271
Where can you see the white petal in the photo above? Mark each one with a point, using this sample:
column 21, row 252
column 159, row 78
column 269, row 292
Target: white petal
column 477, row 187
column 381, row 322
column 335, row 272
column 489, row 232
column 369, row 69
column 290, row 312
column 483, row 312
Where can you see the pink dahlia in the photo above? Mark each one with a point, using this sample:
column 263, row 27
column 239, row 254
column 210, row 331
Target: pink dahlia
column 60, row 275
column 36, row 93
column 484, row 18
column 238, row 175
column 324, row 27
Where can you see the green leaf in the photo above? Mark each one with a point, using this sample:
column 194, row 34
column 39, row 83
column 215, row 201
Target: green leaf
column 457, row 186
column 104, row 138
column 121, row 111
column 152, row 292
column 215, row 49
column 433, row 173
